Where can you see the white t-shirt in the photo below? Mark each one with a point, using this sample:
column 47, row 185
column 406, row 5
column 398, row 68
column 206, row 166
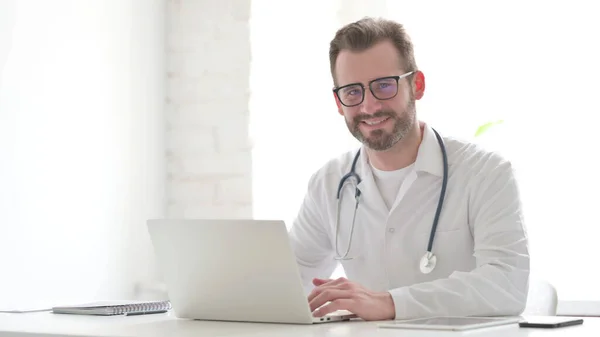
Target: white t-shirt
column 389, row 183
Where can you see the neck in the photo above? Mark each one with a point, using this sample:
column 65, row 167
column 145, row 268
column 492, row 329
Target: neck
column 401, row 155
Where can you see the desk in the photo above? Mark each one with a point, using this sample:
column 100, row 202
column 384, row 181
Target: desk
column 163, row 325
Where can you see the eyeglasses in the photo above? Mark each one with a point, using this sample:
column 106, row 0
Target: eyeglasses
column 382, row 88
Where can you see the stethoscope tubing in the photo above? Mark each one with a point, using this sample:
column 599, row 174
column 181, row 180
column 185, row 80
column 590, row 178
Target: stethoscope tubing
column 357, row 194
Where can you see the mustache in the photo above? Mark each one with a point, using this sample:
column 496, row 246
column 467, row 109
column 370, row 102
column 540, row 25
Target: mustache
column 378, row 114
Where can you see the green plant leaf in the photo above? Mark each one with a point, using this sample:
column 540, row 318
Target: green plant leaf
column 483, row 128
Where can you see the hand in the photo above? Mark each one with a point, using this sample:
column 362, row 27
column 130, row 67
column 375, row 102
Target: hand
column 346, row 295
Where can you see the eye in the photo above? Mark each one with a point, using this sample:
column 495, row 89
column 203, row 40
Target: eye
column 351, row 91
column 384, row 84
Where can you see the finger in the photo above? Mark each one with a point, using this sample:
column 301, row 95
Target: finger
column 318, row 290
column 328, row 295
column 339, row 304
column 319, row 281
column 337, row 283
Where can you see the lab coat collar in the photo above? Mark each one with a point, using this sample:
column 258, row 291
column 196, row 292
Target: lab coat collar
column 429, row 156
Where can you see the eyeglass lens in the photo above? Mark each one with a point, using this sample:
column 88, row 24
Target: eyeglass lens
column 384, row 88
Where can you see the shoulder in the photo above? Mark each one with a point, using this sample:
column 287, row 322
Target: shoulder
column 487, row 177
column 329, row 173
column 472, row 161
column 490, row 190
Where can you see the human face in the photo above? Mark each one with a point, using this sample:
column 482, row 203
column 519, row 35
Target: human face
column 387, row 113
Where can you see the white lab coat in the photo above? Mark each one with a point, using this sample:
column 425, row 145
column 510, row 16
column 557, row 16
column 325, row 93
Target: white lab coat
column 481, row 243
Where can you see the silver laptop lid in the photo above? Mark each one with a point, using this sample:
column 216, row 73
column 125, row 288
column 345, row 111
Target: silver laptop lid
column 238, row 270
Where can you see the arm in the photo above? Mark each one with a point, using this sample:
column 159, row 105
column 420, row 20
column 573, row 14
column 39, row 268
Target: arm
column 310, row 241
column 499, row 284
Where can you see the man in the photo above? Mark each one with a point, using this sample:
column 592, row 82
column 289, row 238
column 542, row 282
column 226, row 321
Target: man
column 481, row 264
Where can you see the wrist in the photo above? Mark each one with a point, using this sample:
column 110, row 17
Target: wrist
column 388, row 307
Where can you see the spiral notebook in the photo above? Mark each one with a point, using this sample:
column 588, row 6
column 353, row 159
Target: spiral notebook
column 111, row 308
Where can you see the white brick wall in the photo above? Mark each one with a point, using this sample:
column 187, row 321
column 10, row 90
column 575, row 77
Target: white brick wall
column 208, row 151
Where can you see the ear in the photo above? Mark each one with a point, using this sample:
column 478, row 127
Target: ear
column 419, row 85
column 339, row 105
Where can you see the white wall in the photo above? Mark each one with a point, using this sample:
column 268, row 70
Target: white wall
column 293, row 111
column 208, row 150
column 81, row 147
column 91, row 79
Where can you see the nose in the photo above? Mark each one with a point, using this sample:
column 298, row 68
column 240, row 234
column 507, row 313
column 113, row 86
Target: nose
column 370, row 104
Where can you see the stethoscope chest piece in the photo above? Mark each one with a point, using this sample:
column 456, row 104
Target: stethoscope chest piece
column 427, row 263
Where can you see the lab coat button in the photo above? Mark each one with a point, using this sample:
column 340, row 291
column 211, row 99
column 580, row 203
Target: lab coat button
column 391, row 230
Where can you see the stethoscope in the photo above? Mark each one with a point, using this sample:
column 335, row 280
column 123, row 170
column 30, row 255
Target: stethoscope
column 429, row 260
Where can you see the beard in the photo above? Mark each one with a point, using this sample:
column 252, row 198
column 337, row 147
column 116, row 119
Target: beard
column 380, row 139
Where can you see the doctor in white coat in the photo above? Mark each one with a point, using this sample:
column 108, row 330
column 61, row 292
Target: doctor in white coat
column 476, row 263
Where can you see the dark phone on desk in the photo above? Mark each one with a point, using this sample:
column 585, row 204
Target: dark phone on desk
column 550, row 322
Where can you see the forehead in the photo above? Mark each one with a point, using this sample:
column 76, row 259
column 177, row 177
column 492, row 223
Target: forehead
column 378, row 61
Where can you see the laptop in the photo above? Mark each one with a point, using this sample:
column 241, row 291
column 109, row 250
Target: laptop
column 232, row 270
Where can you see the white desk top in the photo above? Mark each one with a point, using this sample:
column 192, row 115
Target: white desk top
column 47, row 324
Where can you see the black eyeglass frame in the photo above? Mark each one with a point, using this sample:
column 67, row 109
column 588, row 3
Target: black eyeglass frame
column 397, row 78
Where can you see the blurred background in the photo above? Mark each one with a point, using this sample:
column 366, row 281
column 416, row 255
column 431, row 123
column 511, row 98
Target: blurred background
column 116, row 111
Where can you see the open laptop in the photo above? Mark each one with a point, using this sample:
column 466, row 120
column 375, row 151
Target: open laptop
column 232, row 270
